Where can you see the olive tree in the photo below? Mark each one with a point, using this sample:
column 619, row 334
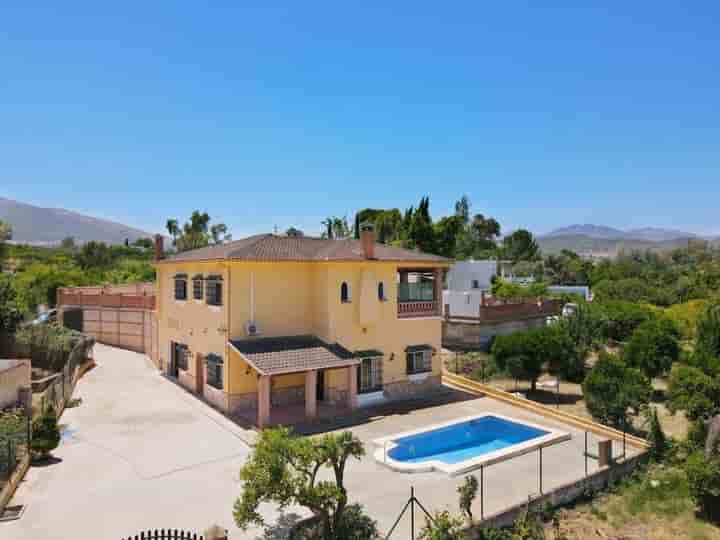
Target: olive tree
column 285, row 469
column 653, row 347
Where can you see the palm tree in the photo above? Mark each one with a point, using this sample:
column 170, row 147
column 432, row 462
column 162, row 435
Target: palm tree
column 173, row 228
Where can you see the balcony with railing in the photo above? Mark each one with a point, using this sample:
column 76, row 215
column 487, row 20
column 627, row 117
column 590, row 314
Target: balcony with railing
column 419, row 293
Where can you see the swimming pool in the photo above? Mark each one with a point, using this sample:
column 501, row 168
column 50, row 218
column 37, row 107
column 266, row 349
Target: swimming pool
column 461, row 445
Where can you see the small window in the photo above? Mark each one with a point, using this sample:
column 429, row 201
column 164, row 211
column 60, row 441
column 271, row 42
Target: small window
column 344, row 292
column 381, row 292
column 180, row 287
column 475, row 284
column 214, row 371
column 180, row 354
column 198, row 287
column 213, row 291
column 419, row 361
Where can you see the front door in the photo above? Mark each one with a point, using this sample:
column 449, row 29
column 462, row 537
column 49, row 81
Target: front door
column 174, row 350
column 199, row 374
column 320, row 385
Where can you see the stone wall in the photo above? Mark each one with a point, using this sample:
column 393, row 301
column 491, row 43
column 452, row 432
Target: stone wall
column 413, row 388
column 14, row 377
column 467, row 334
column 565, row 494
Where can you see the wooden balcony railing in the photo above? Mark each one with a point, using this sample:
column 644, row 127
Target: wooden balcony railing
column 421, row 308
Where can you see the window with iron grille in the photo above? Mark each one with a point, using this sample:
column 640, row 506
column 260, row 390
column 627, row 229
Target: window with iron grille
column 181, row 354
column 370, row 375
column 419, row 361
column 198, row 287
column 181, row 287
column 214, row 371
column 213, row 291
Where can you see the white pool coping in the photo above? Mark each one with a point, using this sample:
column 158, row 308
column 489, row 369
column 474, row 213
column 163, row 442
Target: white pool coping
column 385, row 444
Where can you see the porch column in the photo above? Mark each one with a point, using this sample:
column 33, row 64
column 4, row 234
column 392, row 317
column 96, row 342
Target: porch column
column 352, row 387
column 263, row 401
column 311, row 394
column 438, row 290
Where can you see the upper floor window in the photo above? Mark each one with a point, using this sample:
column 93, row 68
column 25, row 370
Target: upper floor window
column 198, row 287
column 475, row 284
column 344, row 292
column 213, row 291
column 381, row 292
column 180, row 286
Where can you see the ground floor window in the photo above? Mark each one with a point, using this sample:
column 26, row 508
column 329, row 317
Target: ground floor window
column 180, row 355
column 419, row 361
column 370, row 375
column 214, row 366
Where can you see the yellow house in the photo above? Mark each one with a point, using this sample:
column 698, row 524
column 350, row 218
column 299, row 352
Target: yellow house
column 261, row 326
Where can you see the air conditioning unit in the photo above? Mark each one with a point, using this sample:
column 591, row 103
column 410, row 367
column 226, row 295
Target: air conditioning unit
column 252, row 329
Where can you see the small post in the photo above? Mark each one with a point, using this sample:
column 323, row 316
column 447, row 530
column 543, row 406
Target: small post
column 541, row 471
column 624, row 431
column 412, row 513
column 557, row 392
column 482, row 492
column 586, row 456
column 457, row 367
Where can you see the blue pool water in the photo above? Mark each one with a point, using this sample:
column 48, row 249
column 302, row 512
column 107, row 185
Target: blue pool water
column 463, row 441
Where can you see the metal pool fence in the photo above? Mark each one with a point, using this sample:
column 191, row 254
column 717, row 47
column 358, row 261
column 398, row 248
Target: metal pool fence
column 15, row 434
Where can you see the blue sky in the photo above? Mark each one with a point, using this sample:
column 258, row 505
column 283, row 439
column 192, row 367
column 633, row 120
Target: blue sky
column 544, row 113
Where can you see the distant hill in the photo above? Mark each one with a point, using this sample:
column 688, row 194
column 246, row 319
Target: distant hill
column 652, row 234
column 49, row 226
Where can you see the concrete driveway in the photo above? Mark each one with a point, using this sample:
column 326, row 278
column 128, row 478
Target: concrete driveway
column 138, row 453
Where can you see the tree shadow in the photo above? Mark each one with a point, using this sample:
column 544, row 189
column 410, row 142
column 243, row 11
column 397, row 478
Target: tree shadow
column 45, row 462
column 549, row 397
column 281, row 529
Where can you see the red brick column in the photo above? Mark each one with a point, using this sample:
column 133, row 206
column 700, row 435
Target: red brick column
column 352, row 387
column 263, row 401
column 311, row 394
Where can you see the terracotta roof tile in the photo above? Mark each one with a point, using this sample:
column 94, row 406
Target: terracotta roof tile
column 268, row 247
column 292, row 354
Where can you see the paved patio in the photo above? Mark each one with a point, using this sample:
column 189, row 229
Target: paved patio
column 140, row 452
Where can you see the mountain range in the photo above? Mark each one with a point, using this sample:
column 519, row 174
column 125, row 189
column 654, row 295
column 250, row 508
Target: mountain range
column 49, row 226
column 603, row 240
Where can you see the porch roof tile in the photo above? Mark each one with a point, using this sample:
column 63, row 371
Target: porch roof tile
column 292, row 354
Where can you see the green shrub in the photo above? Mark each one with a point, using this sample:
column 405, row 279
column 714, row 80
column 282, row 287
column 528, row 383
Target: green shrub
column 703, row 477
column 653, row 347
column 692, row 391
column 468, row 492
column 442, row 527
column 45, row 433
column 685, row 316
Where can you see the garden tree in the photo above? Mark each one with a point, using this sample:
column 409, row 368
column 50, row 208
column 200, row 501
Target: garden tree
column 173, row 229
column 462, row 210
column 284, row 469
column 653, row 347
column 520, row 246
column 509, row 291
column 525, row 354
column 219, row 234
column 612, row 389
column 144, row 243
column 45, row 433
column 421, row 234
column 196, row 232
column 38, row 283
column 656, row 437
column 447, row 230
column 387, row 226
column 336, row 228
column 708, row 331
column 442, row 526
column 620, row 319
column 468, row 491
column 703, row 475
column 292, row 232
column 685, row 316
column 68, row 243
column 584, row 328
column 130, row 271
column 567, row 268
column 95, row 255
column 693, row 391
column 5, row 231
column 10, row 314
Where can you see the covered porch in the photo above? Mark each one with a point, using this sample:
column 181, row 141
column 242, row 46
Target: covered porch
column 309, row 359
column 419, row 292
